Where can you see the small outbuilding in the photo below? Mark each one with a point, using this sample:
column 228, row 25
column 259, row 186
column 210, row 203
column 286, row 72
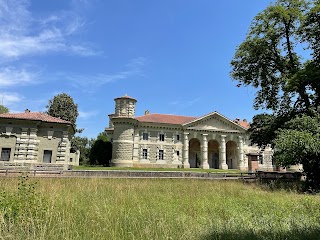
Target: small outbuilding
column 36, row 138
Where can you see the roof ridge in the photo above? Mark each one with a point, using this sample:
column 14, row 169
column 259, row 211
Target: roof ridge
column 171, row 114
column 36, row 116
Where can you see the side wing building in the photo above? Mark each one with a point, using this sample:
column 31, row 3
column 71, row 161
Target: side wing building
column 35, row 138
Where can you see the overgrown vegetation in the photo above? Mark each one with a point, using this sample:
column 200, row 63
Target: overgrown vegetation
column 281, row 59
column 163, row 209
column 22, row 209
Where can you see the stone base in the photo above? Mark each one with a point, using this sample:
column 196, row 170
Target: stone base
column 186, row 165
column 224, row 166
column 205, row 166
column 177, row 162
column 155, row 165
column 122, row 163
column 161, row 162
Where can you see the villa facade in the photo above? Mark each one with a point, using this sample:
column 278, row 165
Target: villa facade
column 163, row 140
column 35, row 138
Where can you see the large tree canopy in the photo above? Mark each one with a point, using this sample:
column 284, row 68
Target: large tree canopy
column 269, row 59
column 280, row 57
column 63, row 106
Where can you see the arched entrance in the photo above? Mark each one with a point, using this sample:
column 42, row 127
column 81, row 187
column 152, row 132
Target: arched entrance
column 213, row 154
column 194, row 153
column 232, row 155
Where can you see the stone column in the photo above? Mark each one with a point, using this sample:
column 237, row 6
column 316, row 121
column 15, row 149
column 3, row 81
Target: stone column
column 241, row 164
column 204, row 163
column 222, row 158
column 186, row 163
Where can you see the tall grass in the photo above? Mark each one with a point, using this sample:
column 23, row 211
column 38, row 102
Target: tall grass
column 164, row 209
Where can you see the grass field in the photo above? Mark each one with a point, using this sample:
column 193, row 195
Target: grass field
column 159, row 209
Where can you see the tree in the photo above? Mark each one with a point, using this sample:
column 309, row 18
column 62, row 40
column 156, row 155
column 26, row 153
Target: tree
column 84, row 145
column 268, row 59
column 101, row 151
column 287, row 83
column 3, row 109
column 299, row 143
column 62, row 106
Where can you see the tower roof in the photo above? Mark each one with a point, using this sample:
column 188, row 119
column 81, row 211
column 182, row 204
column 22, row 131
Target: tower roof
column 126, row 97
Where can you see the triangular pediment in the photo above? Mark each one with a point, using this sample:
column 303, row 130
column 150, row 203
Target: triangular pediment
column 214, row 122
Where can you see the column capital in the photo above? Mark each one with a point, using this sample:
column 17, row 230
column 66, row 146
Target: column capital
column 185, row 133
column 223, row 136
column 204, row 134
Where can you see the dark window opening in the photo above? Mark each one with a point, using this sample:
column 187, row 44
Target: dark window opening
column 160, row 154
column 145, row 153
column 5, row 154
column 145, row 136
column 47, row 154
column 161, row 137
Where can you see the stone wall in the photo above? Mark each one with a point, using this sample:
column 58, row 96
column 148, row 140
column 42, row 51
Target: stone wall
column 122, row 144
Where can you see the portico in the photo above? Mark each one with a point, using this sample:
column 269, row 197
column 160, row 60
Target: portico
column 210, row 150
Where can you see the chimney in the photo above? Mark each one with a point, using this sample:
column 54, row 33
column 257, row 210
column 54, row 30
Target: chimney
column 146, row 112
column 27, row 110
column 237, row 120
column 244, row 120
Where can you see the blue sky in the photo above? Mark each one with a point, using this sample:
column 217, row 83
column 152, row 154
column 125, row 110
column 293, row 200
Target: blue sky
column 173, row 56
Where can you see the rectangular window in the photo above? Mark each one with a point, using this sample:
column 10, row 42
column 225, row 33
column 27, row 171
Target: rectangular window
column 178, row 153
column 145, row 136
column 71, row 159
column 47, row 154
column 145, row 153
column 260, row 158
column 5, row 154
column 178, row 137
column 161, row 137
column 160, row 154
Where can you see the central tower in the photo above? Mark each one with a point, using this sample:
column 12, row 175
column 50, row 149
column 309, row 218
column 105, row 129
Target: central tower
column 125, row 107
column 123, row 121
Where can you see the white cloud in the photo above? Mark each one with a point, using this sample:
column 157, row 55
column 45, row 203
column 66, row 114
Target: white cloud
column 89, row 83
column 21, row 34
column 87, row 114
column 184, row 104
column 10, row 76
column 8, row 99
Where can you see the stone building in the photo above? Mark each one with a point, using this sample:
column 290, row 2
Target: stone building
column 163, row 140
column 34, row 137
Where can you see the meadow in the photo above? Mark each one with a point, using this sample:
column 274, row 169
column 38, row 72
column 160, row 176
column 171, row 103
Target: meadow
column 78, row 208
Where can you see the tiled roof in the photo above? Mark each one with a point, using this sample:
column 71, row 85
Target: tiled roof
column 174, row 119
column 165, row 118
column 244, row 124
column 37, row 116
column 125, row 96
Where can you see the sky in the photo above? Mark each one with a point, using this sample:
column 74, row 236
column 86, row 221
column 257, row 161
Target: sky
column 173, row 56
